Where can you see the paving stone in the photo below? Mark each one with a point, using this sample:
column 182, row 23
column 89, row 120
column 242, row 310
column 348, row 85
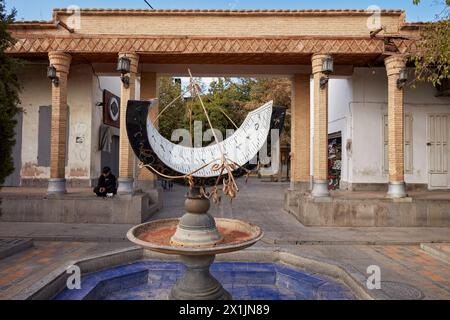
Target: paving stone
column 8, row 247
column 257, row 202
column 438, row 250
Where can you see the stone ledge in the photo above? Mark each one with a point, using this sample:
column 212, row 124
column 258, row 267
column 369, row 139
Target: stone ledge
column 368, row 212
column 52, row 284
column 70, row 182
column 83, row 208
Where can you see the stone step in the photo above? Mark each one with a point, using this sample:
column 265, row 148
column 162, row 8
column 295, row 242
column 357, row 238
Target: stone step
column 8, row 247
column 437, row 250
column 82, row 208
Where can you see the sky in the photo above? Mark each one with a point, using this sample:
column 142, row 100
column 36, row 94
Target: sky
column 42, row 9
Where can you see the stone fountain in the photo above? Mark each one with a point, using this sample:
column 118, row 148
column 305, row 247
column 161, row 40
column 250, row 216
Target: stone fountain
column 197, row 238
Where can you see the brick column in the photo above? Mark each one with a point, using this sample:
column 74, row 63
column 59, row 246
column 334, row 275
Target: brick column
column 149, row 90
column 396, row 118
column 126, row 156
column 57, row 183
column 300, row 133
column 320, row 188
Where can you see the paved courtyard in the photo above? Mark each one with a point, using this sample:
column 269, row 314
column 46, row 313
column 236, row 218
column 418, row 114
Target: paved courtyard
column 414, row 262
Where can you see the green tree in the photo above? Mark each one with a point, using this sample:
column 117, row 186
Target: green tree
column 276, row 89
column 224, row 102
column 9, row 94
column 432, row 61
column 227, row 102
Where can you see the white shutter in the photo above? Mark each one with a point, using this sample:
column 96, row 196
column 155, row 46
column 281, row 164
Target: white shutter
column 408, row 137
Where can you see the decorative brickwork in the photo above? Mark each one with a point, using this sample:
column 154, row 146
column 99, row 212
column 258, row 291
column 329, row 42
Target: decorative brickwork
column 57, row 12
column 199, row 45
column 126, row 155
column 320, row 121
column 61, row 61
column 149, row 90
column 300, row 129
column 395, row 119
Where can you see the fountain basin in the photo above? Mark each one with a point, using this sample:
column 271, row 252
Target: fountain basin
column 152, row 280
column 156, row 236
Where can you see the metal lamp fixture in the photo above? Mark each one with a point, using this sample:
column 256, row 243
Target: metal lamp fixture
column 51, row 74
column 123, row 66
column 327, row 69
column 402, row 78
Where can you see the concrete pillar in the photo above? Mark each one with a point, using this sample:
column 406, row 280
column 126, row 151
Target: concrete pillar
column 396, row 118
column 300, row 133
column 320, row 188
column 149, row 90
column 126, row 155
column 57, row 183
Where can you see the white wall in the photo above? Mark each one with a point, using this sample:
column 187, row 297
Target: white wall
column 112, row 84
column 84, row 157
column 81, row 103
column 368, row 106
column 339, row 98
column 37, row 92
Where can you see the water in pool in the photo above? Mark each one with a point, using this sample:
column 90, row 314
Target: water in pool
column 152, row 280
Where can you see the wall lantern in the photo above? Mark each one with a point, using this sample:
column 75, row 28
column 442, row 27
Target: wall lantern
column 327, row 69
column 51, row 74
column 402, row 78
column 123, row 66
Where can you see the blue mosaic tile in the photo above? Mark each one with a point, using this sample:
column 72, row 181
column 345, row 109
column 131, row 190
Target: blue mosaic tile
column 124, row 282
column 152, row 280
column 300, row 276
column 256, row 267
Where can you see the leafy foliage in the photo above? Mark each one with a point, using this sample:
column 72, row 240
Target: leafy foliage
column 9, row 94
column 174, row 116
column 227, row 101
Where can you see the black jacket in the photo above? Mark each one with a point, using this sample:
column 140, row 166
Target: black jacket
column 109, row 182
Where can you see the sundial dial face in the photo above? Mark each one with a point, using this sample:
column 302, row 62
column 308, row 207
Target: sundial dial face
column 239, row 148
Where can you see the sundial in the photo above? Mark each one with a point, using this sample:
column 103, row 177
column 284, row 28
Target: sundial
column 197, row 237
column 201, row 165
column 238, row 149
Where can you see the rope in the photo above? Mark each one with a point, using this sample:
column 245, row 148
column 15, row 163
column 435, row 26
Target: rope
column 205, row 112
column 168, row 106
column 232, row 122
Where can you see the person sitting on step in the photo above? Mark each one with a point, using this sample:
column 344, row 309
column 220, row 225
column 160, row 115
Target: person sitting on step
column 107, row 184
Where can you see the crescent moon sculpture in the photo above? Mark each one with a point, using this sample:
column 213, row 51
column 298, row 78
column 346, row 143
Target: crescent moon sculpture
column 172, row 159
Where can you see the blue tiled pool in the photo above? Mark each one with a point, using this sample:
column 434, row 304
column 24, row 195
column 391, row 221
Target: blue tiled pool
column 151, row 280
